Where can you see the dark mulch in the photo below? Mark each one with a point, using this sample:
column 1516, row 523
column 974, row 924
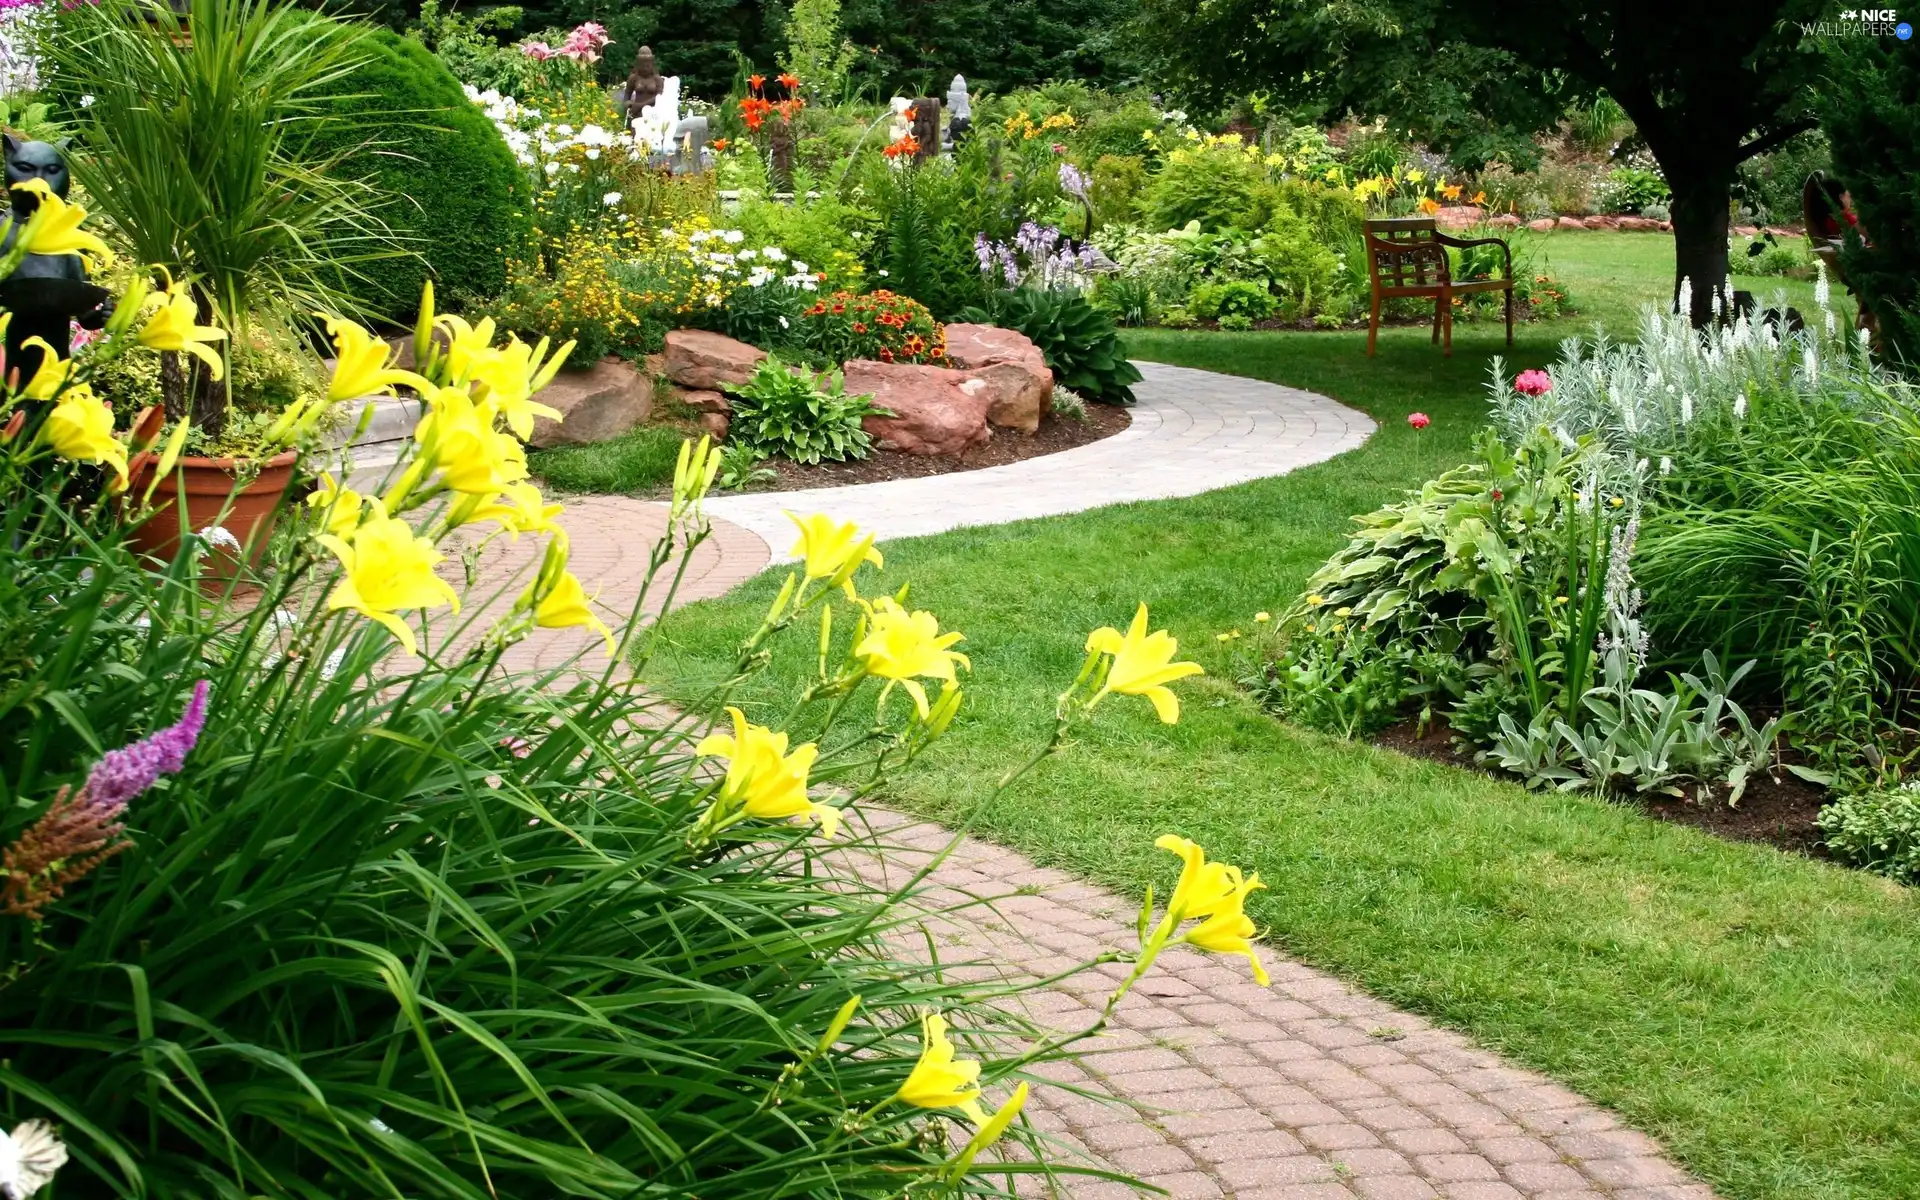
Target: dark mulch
column 1055, row 434
column 1777, row 811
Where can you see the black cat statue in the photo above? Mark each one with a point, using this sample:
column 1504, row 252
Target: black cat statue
column 47, row 291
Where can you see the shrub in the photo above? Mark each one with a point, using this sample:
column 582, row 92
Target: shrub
column 1568, row 187
column 1770, row 184
column 1212, row 182
column 1116, row 184
column 787, row 413
column 818, row 232
column 874, row 325
column 1631, row 189
column 1776, row 256
column 1081, row 346
column 1236, row 298
column 1878, row 830
column 445, row 166
column 1123, row 131
column 343, row 920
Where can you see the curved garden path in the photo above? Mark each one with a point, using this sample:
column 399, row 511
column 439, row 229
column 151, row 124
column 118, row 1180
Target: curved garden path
column 1308, row 1090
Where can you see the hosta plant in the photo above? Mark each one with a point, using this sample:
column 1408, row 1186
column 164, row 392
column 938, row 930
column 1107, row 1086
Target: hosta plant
column 787, row 412
column 1082, row 348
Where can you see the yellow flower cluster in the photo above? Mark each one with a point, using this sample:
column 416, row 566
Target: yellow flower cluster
column 1023, row 126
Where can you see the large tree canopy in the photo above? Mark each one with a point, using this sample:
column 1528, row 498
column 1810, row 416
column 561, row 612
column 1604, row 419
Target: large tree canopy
column 1708, row 85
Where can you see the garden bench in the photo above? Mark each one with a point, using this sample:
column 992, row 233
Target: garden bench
column 1407, row 256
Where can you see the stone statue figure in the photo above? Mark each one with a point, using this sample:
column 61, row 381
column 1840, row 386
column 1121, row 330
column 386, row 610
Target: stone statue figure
column 47, row 291
column 643, row 84
column 926, row 126
column 690, row 145
column 959, row 111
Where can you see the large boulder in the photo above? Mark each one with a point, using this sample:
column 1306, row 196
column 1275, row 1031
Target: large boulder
column 1458, row 216
column 936, row 410
column 601, row 402
column 702, row 361
column 1012, row 366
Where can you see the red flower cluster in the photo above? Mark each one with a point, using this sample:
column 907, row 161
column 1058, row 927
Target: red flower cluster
column 755, row 108
column 875, row 325
column 908, row 145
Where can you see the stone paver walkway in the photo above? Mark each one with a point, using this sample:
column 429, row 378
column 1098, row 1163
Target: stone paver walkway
column 1307, row 1090
column 1192, row 432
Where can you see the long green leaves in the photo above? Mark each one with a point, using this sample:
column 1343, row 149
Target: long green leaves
column 195, row 146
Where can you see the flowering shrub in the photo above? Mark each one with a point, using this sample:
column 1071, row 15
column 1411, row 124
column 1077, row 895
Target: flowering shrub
column 374, row 913
column 874, row 325
column 1038, row 256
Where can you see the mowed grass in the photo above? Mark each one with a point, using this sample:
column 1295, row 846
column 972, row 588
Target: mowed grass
column 633, row 462
column 1756, row 1011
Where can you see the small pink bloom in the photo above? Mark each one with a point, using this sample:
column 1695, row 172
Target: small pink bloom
column 538, row 51
column 1533, row 383
column 1418, row 420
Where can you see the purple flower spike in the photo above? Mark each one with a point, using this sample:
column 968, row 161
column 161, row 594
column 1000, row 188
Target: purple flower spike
column 124, row 773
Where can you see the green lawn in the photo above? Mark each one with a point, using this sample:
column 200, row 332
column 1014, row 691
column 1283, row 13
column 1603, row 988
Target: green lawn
column 1757, row 1012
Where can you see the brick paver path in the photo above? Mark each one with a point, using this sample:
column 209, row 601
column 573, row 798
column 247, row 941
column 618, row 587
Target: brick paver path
column 1308, row 1090
column 1192, row 432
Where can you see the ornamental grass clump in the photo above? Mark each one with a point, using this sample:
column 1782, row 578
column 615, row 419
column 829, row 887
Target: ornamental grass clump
column 364, row 911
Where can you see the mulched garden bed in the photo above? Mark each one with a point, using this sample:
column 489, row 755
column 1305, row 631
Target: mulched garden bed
column 1056, row 433
column 1776, row 812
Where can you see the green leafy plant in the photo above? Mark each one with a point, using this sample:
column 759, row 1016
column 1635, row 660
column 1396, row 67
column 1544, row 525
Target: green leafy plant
column 789, row 413
column 1631, row 189
column 1081, row 346
column 1878, row 830
column 741, row 467
column 1234, row 298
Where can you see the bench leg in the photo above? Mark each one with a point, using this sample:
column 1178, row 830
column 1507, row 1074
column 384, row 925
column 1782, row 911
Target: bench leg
column 1509, row 318
column 1439, row 302
column 1447, row 320
column 1373, row 326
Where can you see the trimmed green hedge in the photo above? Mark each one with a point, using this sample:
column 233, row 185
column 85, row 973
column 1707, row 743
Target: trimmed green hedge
column 459, row 197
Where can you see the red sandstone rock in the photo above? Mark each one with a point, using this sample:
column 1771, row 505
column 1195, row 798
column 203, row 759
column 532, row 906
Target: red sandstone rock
column 936, row 410
column 702, row 361
column 601, row 402
column 1013, row 367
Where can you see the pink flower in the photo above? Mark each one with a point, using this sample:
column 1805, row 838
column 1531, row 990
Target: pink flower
column 1418, row 420
column 122, row 774
column 538, row 51
column 1533, row 383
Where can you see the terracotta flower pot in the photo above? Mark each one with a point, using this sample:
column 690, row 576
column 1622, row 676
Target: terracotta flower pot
column 214, row 495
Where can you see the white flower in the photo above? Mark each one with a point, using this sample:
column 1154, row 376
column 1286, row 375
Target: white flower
column 565, row 130
column 734, row 237
column 611, row 199
column 713, row 298
column 552, row 167
column 883, row 272
column 783, row 322
column 773, row 252
column 86, row 102
column 28, row 1158
column 219, row 537
column 593, row 152
column 800, row 268
column 1666, row 465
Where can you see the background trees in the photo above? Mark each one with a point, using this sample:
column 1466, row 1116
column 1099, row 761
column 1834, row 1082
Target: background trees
column 1708, row 85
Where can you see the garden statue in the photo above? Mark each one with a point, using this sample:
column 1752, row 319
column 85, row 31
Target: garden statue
column 47, row 291
column 690, row 145
column 900, row 127
column 959, row 111
column 643, row 84
column 926, row 127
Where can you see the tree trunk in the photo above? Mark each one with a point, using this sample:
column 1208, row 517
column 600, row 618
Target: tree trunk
column 1700, row 262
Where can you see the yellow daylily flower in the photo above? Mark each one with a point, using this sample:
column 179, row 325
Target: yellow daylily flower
column 938, row 1080
column 1228, row 929
column 566, row 607
column 80, row 428
column 833, row 551
column 466, row 345
column 1142, row 665
column 342, row 505
column 901, row 645
column 1204, row 886
column 50, row 375
column 473, row 456
column 171, row 327
column 388, row 570
column 763, row 778
column 360, row 364
column 508, row 375
column 531, row 512
column 54, row 228
column 990, row 1132
column 171, row 454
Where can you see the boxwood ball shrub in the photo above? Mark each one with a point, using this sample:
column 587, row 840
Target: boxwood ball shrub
column 458, row 197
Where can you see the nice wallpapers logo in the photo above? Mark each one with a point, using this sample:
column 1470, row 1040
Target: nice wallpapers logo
column 1861, row 22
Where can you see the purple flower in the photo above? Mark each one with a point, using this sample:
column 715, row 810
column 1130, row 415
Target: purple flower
column 123, row 774
column 1072, row 182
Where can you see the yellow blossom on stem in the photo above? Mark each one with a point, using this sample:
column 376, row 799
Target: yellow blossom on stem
column 50, row 375
column 902, row 646
column 1142, row 665
column 833, row 551
column 1228, row 929
column 360, row 363
column 565, row 606
column 342, row 505
column 1212, row 893
column 171, row 327
column 990, row 1132
column 388, row 569
column 54, row 227
column 80, row 428
column 459, row 436
column 763, row 779
column 939, row 1080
